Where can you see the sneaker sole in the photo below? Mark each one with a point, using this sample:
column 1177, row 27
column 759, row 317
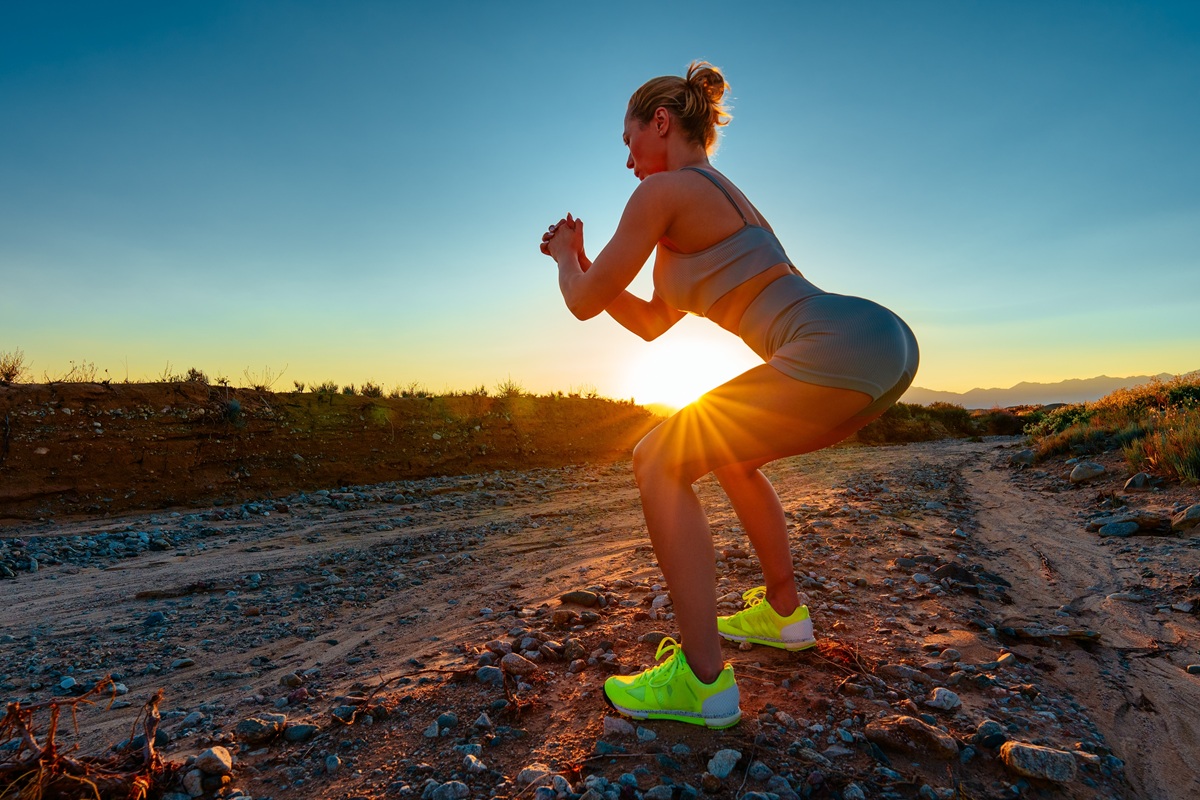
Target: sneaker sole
column 779, row 643
column 678, row 716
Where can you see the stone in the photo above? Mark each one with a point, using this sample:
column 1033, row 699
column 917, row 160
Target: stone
column 1120, row 529
column 1186, row 519
column 193, row 783
column 490, row 675
column 299, row 733
column 1086, row 471
column 904, row 672
column 517, row 665
column 853, row 791
column 944, row 699
column 723, row 762
column 332, row 764
column 758, row 771
column 581, row 598
column 1041, row 763
column 1140, row 482
column 1023, row 458
column 261, row 729
column 534, row 775
column 989, row 734
column 616, row 726
column 451, row 790
column 215, row 761
column 911, row 735
column 473, row 765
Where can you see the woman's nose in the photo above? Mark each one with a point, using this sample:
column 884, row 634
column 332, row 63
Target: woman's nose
column 629, row 162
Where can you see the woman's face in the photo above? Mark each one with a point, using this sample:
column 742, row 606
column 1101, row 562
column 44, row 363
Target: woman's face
column 647, row 155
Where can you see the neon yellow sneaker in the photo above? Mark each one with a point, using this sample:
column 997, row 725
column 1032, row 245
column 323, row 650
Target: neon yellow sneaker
column 671, row 690
column 758, row 623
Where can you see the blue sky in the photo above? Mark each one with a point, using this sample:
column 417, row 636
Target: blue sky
column 356, row 190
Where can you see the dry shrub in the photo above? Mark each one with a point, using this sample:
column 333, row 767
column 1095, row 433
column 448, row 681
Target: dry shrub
column 13, row 368
column 1170, row 447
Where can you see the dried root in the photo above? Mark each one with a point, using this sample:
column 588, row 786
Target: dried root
column 33, row 766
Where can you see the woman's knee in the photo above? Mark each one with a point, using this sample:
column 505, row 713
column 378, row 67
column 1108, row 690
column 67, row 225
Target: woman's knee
column 655, row 459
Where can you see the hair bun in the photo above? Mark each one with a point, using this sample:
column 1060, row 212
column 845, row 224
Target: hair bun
column 708, row 80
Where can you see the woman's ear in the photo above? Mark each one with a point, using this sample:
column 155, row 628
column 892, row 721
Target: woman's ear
column 662, row 121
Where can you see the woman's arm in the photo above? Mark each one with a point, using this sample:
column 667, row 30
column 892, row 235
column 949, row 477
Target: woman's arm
column 592, row 289
column 648, row 320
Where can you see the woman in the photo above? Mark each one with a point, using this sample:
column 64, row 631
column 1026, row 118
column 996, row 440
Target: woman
column 832, row 364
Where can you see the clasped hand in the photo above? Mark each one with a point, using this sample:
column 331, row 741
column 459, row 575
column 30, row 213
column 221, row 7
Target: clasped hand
column 563, row 237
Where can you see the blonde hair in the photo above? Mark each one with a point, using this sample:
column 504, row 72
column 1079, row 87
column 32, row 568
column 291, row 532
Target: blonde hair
column 694, row 100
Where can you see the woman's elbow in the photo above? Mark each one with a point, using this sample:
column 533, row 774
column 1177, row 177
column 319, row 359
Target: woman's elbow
column 584, row 311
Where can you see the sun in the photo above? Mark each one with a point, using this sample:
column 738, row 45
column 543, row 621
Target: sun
column 674, row 370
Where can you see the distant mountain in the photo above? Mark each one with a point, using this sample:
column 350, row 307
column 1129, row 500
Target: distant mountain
column 1076, row 390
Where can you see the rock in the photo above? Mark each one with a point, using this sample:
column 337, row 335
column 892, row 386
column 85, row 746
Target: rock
column 1186, row 519
column 483, row 722
column 432, row 731
column 580, row 597
column 193, row 783
column 1023, row 458
column 1120, row 529
column 1138, row 483
column 260, row 730
column 517, row 665
column 1086, row 471
column 616, row 726
column 989, row 734
column 345, row 714
column 473, row 765
column 490, row 675
column 155, row 619
column 911, row 735
column 181, row 663
column 758, row 771
column 332, row 764
column 904, row 673
column 299, row 733
column 710, row 783
column 853, row 791
column 944, row 699
column 1193, row 669
column 291, row 680
column 534, row 775
column 215, row 761
column 451, row 790
column 448, row 720
column 723, row 762
column 1034, row 761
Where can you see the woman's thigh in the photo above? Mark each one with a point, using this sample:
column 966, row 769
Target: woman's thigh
column 757, row 417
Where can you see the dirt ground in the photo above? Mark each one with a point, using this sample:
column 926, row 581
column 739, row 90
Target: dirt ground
column 368, row 611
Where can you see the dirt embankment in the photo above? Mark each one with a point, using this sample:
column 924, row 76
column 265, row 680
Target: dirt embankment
column 96, row 449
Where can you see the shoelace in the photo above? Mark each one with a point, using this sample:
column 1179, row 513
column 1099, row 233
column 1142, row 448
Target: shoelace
column 664, row 673
column 755, row 596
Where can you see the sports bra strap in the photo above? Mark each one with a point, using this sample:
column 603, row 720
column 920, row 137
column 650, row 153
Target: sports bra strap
column 724, row 191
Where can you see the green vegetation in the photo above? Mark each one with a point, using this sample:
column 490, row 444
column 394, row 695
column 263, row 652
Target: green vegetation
column 1156, row 427
column 905, row 422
